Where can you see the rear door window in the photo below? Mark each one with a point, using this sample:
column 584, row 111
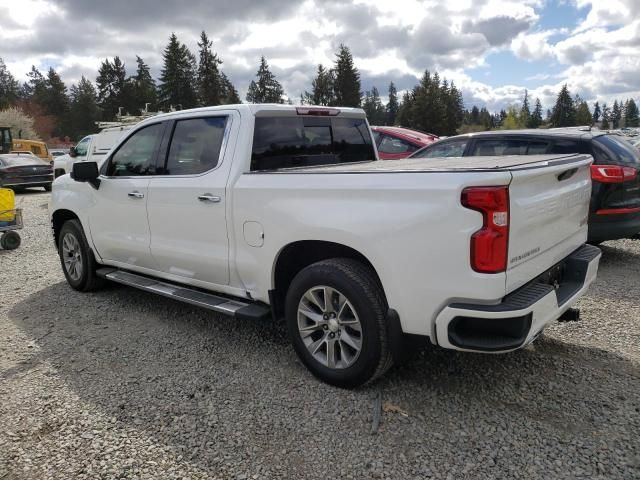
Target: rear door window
column 287, row 142
column 563, row 147
column 453, row 148
column 537, row 147
column 394, row 145
column 195, row 146
column 499, row 147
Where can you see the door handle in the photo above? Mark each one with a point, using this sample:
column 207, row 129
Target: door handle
column 136, row 194
column 207, row 197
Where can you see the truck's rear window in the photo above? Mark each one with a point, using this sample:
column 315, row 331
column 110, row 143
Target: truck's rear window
column 286, row 142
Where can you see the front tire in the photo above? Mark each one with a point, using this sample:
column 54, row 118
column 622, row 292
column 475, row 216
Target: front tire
column 335, row 311
column 78, row 263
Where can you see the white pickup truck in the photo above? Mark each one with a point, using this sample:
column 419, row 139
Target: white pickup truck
column 262, row 211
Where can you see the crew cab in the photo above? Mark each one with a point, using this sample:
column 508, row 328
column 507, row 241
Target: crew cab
column 270, row 211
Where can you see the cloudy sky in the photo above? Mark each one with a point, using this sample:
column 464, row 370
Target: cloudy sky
column 493, row 49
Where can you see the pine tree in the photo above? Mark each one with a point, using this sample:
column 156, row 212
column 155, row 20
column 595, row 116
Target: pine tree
column 346, row 80
column 616, row 114
column 606, row 113
column 229, row 94
column 564, row 111
column 373, row 107
column 525, row 111
column 111, row 87
column 177, row 87
column 474, row 116
column 56, row 102
column 9, row 88
column 392, row 105
column 265, row 89
column 405, row 109
column 36, row 87
column 486, row 119
column 83, row 112
column 321, row 88
column 536, row 117
column 631, row 114
column 454, row 106
column 145, row 87
column 597, row 113
column 583, row 114
column 209, row 80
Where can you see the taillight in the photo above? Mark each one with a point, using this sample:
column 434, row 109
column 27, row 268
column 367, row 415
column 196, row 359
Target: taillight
column 613, row 173
column 490, row 244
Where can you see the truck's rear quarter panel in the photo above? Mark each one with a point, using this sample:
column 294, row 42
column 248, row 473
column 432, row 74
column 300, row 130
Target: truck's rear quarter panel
column 410, row 226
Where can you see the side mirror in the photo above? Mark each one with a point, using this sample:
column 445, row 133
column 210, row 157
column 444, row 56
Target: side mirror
column 73, row 153
column 86, row 172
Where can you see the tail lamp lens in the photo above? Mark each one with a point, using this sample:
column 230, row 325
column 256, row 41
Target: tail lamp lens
column 490, row 244
column 613, row 173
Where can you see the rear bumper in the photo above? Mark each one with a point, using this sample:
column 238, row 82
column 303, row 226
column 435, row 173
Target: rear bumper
column 523, row 314
column 38, row 181
column 612, row 226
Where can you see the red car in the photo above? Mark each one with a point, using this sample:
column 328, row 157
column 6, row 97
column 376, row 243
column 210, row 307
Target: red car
column 394, row 143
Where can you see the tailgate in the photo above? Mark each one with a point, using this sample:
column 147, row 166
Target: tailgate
column 549, row 213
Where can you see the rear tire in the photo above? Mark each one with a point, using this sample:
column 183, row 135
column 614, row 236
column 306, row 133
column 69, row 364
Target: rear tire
column 78, row 263
column 342, row 342
column 10, row 240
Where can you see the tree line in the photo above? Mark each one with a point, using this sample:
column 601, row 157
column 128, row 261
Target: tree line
column 433, row 105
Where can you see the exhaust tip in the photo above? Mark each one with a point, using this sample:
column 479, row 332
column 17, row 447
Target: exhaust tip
column 571, row 315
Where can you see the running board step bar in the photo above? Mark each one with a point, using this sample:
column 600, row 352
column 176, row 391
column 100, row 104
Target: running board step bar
column 234, row 308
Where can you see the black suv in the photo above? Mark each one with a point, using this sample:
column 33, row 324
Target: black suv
column 615, row 199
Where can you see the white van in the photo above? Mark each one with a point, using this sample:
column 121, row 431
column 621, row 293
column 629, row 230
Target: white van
column 92, row 148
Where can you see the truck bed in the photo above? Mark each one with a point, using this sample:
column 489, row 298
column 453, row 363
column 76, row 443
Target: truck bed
column 511, row 162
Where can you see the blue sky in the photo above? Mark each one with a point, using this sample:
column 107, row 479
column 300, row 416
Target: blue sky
column 492, row 49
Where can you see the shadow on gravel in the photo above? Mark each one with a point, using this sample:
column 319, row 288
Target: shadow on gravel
column 217, row 390
column 614, row 254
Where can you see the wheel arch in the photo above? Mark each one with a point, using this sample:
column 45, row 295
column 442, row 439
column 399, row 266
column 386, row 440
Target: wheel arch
column 58, row 219
column 295, row 256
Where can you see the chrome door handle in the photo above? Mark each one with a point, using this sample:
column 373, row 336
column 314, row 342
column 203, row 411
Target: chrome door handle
column 136, row 194
column 207, row 197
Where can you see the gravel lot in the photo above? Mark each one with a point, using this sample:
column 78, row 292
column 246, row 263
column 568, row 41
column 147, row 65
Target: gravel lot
column 123, row 384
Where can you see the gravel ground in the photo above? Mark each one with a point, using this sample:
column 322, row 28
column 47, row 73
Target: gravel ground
column 123, row 384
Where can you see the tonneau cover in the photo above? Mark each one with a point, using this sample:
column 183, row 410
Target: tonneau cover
column 511, row 162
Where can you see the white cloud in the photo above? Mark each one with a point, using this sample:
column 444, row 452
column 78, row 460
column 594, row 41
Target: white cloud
column 533, row 46
column 390, row 40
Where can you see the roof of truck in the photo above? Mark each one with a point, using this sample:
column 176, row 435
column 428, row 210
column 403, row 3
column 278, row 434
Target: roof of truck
column 258, row 108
